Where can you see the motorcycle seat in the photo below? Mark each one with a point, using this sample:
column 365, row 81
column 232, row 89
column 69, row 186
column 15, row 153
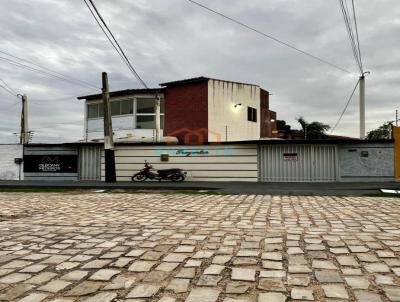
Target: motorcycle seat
column 169, row 170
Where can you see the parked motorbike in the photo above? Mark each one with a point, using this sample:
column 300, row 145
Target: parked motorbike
column 176, row 175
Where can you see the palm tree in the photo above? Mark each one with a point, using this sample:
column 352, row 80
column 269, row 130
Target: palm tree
column 314, row 130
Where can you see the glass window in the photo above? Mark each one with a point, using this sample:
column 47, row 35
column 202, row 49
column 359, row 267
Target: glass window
column 251, row 114
column 101, row 110
column 115, row 108
column 162, row 103
column 162, row 121
column 145, row 106
column 93, row 110
column 145, row 122
column 127, row 107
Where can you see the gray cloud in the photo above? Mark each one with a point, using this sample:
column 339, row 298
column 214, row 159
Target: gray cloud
column 173, row 39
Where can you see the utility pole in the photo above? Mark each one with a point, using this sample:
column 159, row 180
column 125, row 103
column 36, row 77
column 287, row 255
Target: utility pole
column 109, row 156
column 362, row 106
column 24, row 136
column 158, row 118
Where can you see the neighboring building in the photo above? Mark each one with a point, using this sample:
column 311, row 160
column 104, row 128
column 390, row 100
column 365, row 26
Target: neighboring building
column 195, row 110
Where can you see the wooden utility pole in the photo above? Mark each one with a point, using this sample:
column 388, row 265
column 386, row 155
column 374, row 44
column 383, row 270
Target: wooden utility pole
column 110, row 175
column 362, row 106
column 158, row 118
column 24, row 136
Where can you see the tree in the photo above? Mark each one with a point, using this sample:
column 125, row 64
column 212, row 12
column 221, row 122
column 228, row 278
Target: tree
column 313, row 130
column 383, row 132
column 281, row 125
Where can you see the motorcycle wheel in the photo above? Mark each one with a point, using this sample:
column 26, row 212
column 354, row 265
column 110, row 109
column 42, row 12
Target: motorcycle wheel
column 139, row 177
column 177, row 178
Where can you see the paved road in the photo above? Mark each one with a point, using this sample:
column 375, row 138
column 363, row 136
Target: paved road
column 327, row 189
column 198, row 248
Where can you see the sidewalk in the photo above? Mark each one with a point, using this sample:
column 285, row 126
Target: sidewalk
column 331, row 189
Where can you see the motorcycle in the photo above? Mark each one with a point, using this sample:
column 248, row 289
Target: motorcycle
column 176, row 175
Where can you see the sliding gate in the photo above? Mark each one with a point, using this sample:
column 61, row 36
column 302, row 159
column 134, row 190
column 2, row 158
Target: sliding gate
column 297, row 163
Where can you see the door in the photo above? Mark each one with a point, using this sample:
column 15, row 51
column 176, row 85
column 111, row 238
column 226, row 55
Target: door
column 89, row 163
column 297, row 163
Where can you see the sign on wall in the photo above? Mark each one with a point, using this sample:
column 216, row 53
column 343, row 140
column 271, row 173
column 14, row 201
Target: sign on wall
column 51, row 163
column 290, row 156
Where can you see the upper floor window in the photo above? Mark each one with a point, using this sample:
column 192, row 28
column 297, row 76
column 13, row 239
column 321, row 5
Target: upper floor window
column 95, row 110
column 142, row 109
column 251, row 114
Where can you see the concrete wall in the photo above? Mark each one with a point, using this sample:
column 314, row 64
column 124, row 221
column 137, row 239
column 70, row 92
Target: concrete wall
column 203, row 163
column 222, row 97
column 366, row 162
column 8, row 169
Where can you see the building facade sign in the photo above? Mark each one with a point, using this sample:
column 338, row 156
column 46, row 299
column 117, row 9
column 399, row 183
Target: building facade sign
column 51, row 163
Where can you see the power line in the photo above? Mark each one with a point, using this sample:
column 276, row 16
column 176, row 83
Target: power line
column 23, row 66
column 345, row 107
column 356, row 27
column 8, row 87
column 270, row 37
column 113, row 41
column 8, row 91
column 350, row 31
column 70, row 79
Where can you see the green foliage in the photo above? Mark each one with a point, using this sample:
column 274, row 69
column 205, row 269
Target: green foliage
column 281, row 125
column 313, row 130
column 383, row 132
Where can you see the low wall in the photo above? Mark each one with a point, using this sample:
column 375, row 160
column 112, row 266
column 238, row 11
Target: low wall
column 202, row 162
column 9, row 170
column 366, row 162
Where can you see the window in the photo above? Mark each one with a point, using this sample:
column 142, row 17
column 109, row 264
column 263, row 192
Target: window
column 121, row 107
column 146, row 113
column 146, row 106
column 148, row 121
column 126, row 107
column 95, row 110
column 251, row 114
column 115, row 108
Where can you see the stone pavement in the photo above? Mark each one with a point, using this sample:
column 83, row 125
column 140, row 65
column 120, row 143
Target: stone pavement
column 198, row 248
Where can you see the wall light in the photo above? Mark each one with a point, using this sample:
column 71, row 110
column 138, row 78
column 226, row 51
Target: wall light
column 236, row 105
column 272, row 121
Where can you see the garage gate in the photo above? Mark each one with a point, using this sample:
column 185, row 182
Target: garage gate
column 297, row 163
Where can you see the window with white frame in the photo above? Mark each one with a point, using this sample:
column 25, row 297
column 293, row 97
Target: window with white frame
column 146, row 113
column 95, row 110
column 142, row 109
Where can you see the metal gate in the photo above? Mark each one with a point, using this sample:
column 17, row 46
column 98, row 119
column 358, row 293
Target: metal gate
column 297, row 163
column 89, row 163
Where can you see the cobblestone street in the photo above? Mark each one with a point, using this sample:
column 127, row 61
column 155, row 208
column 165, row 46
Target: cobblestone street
column 198, row 248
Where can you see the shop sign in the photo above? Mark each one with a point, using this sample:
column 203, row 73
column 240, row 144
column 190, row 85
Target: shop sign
column 51, row 163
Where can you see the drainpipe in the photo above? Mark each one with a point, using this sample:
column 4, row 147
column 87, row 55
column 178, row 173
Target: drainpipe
column 158, row 119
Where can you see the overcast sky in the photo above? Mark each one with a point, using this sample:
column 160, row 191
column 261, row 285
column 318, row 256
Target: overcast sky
column 169, row 40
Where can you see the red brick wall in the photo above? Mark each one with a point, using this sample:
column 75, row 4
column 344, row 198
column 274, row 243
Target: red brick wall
column 186, row 110
column 265, row 115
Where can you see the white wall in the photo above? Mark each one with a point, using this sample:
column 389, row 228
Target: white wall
column 216, row 163
column 122, row 127
column 8, row 169
column 222, row 96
